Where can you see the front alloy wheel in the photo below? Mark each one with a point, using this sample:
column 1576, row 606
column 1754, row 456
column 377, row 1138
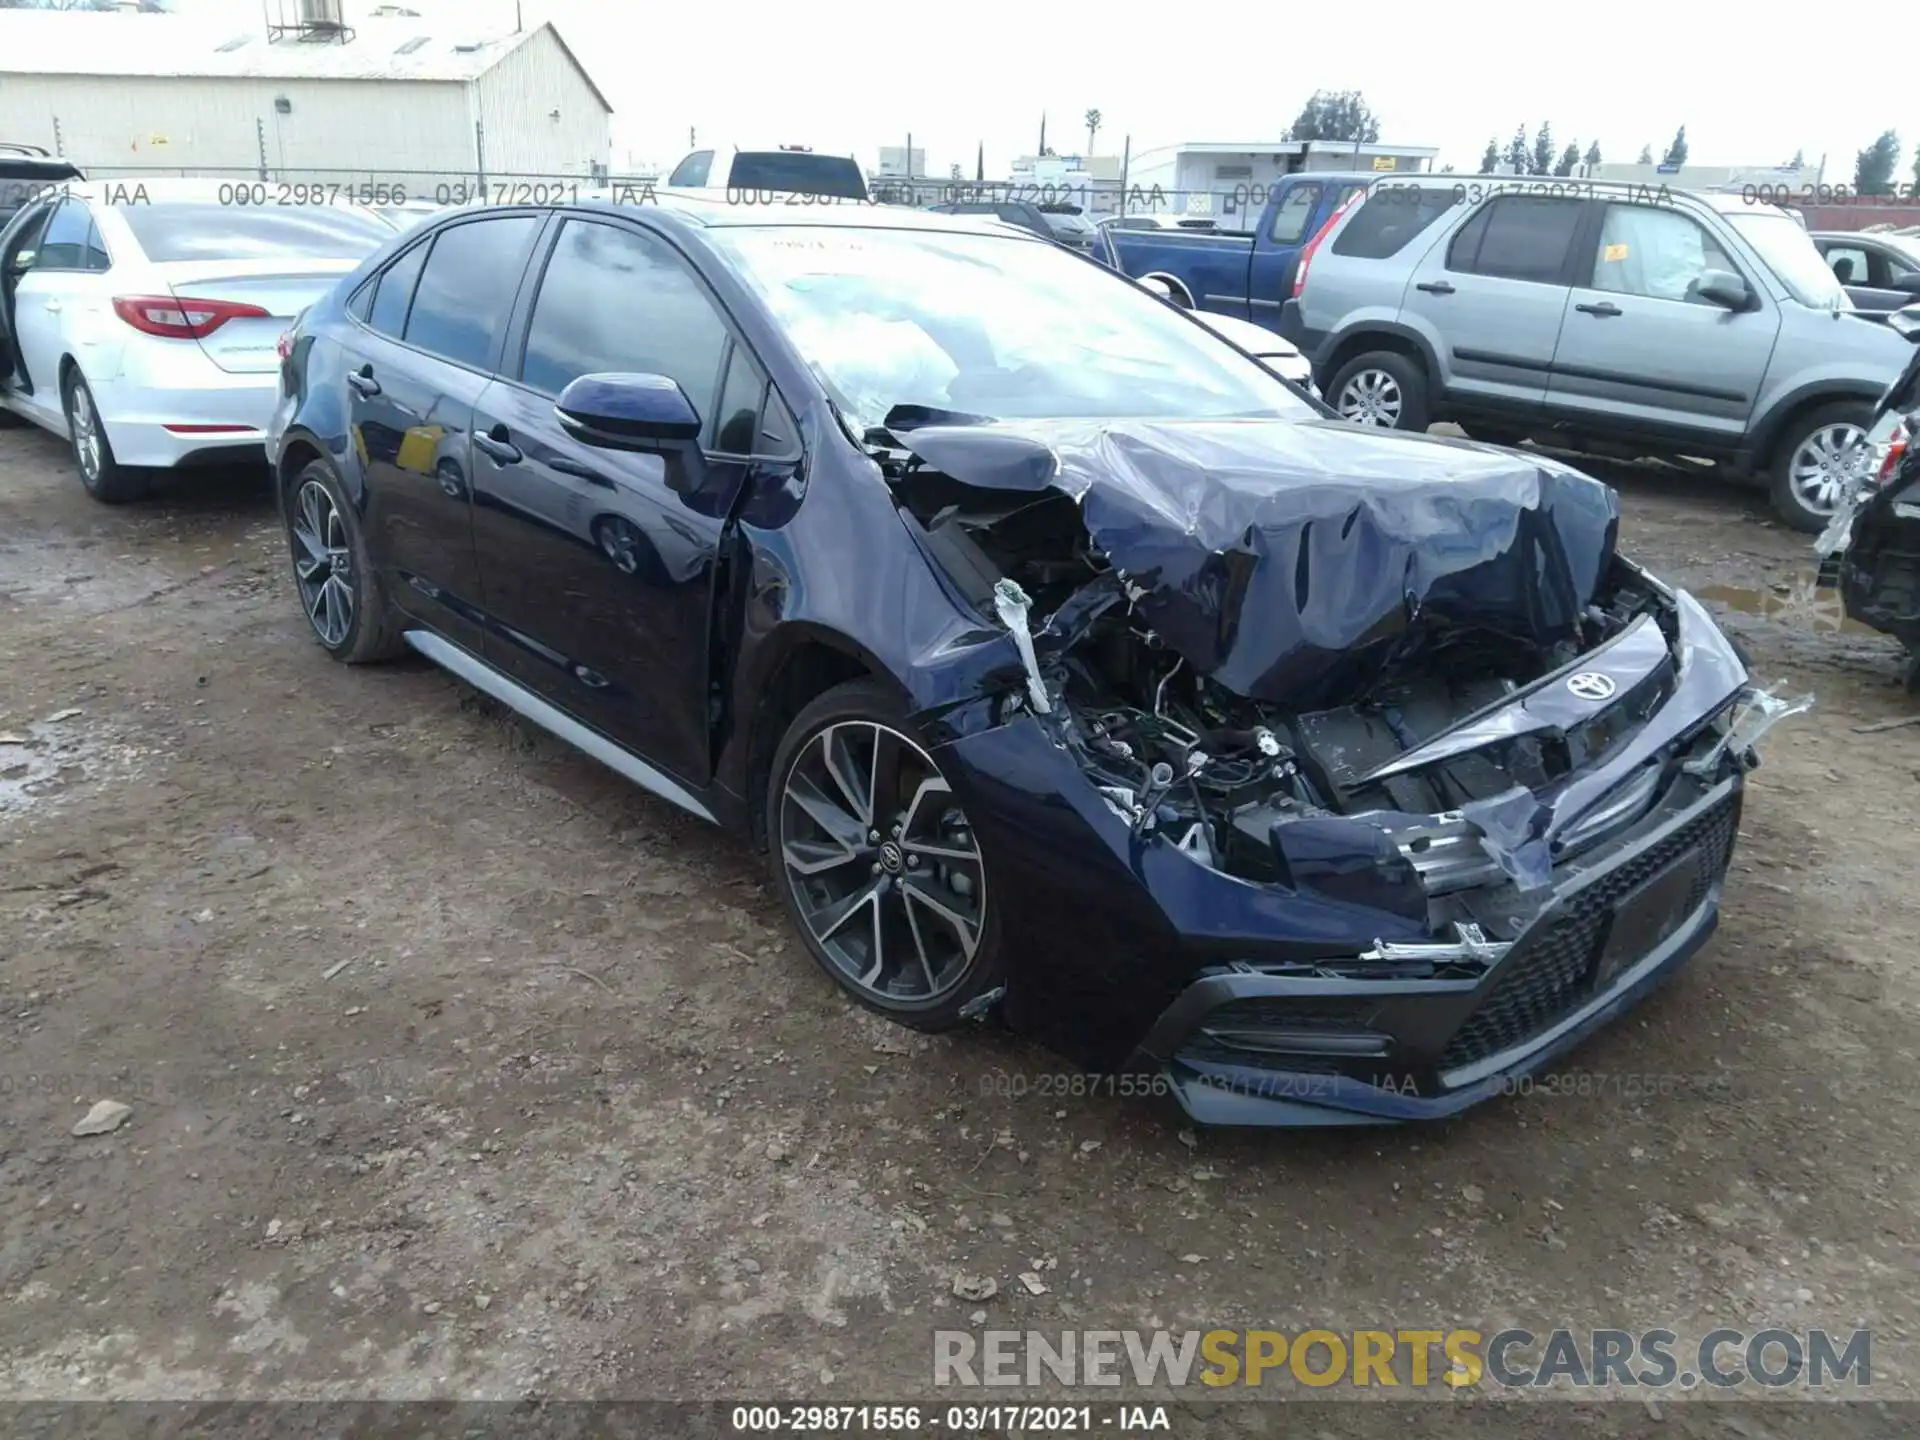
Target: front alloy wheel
column 323, row 564
column 881, row 865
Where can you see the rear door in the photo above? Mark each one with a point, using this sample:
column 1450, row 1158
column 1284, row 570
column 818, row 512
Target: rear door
column 1493, row 296
column 599, row 565
column 1639, row 344
column 19, row 239
column 430, row 333
column 1297, row 213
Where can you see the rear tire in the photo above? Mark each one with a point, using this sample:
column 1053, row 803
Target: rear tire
column 1808, row 467
column 339, row 589
column 104, row 477
column 1382, row 389
column 878, row 866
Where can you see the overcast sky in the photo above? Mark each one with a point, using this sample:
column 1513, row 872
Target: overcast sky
column 857, row 74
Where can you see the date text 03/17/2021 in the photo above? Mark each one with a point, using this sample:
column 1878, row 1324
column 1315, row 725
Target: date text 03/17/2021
column 807, row 1419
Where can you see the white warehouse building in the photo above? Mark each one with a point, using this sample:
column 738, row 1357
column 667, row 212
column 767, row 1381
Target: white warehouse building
column 127, row 94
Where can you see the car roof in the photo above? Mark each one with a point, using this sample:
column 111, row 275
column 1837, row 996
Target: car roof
column 17, row 164
column 736, row 147
column 709, row 209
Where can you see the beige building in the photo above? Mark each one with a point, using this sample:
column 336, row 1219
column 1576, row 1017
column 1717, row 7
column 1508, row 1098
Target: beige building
column 125, row 94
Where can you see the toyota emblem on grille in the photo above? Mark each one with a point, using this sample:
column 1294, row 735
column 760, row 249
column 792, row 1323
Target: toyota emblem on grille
column 1592, row 685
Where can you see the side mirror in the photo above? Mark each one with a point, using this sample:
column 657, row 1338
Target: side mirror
column 1724, row 288
column 22, row 261
column 626, row 412
column 1906, row 323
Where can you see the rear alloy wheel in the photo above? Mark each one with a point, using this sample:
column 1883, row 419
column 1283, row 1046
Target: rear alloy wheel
column 1383, row 389
column 104, row 477
column 1821, row 457
column 323, row 565
column 879, row 866
column 338, row 589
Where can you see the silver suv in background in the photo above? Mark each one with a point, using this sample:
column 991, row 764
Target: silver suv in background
column 1626, row 320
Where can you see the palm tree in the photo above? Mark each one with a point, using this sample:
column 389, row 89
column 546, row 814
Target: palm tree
column 1093, row 128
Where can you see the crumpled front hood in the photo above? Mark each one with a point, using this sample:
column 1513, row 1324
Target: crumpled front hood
column 1290, row 560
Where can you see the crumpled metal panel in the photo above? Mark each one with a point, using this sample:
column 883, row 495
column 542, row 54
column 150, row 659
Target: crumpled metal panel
column 1290, row 561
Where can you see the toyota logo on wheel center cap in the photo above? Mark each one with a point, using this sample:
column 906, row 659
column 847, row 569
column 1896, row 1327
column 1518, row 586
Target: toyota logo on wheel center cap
column 1592, row 685
column 890, row 857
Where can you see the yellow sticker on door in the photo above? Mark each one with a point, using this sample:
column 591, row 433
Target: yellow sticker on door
column 1615, row 253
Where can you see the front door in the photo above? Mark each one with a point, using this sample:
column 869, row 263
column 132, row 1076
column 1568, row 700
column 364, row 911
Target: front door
column 18, row 243
column 430, row 337
column 56, row 303
column 1639, row 344
column 598, row 564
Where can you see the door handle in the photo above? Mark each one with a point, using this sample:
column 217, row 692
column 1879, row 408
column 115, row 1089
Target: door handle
column 1435, row 287
column 497, row 446
column 564, row 466
column 52, row 307
column 362, row 381
column 1603, row 309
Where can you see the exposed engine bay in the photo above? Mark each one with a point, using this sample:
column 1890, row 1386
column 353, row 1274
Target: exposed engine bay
column 1391, row 619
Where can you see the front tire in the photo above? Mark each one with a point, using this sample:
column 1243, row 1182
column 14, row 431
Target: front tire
column 1382, row 389
column 878, row 865
column 1817, row 455
column 104, row 477
column 338, row 587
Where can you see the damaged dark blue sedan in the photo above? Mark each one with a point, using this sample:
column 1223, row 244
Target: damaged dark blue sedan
column 1071, row 668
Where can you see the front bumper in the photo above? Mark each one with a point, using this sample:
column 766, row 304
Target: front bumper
column 1295, row 1004
column 1246, row 1046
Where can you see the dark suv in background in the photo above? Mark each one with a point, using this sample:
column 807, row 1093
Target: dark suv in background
column 27, row 172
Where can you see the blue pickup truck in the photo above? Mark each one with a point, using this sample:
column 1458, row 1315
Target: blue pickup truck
column 1245, row 274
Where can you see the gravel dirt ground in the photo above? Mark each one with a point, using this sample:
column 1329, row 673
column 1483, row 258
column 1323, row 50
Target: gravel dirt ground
column 458, row 1067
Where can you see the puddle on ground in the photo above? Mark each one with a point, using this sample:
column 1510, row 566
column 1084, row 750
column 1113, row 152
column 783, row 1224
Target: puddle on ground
column 42, row 759
column 1800, row 602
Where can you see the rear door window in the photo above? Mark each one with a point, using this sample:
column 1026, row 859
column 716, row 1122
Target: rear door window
column 692, row 171
column 1518, row 237
column 1293, row 214
column 176, row 230
column 1388, row 219
column 394, row 293
column 460, row 305
column 97, row 256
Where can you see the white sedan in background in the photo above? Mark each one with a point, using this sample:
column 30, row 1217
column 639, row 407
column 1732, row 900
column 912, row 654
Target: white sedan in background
column 1279, row 355
column 141, row 319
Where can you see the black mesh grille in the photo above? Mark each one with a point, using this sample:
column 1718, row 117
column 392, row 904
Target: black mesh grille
column 1554, row 974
